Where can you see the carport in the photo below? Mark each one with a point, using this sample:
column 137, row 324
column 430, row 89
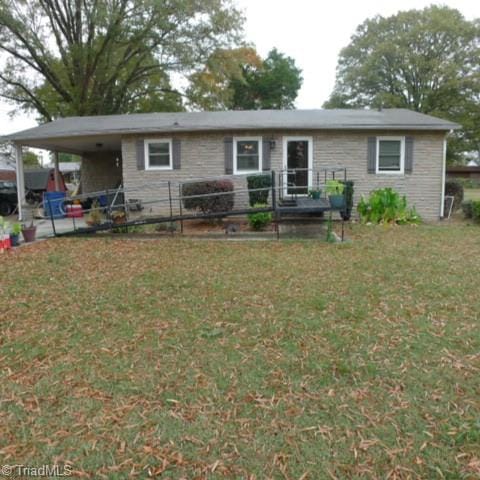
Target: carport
column 68, row 136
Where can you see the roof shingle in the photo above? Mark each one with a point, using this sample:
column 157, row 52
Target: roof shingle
column 387, row 119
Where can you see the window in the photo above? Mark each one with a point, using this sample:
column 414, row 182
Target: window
column 247, row 155
column 390, row 155
column 158, row 154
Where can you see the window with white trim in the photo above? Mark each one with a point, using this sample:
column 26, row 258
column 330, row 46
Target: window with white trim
column 391, row 155
column 158, row 154
column 247, row 155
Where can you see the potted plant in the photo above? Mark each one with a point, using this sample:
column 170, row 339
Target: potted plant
column 15, row 234
column 4, row 235
column 29, row 232
column 315, row 193
column 119, row 217
column 95, row 216
column 335, row 193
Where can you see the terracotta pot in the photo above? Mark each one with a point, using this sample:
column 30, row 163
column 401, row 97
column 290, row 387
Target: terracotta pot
column 29, row 234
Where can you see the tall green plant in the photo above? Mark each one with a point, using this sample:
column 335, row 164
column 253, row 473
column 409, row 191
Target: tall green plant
column 385, row 205
column 262, row 183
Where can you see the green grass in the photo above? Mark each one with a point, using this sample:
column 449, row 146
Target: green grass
column 204, row 359
column 472, row 193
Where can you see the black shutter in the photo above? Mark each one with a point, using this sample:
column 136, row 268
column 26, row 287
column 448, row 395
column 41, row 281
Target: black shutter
column 266, row 162
column 408, row 154
column 176, row 154
column 371, row 155
column 228, row 141
column 140, row 147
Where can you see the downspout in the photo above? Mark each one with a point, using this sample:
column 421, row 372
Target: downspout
column 444, row 171
column 20, row 181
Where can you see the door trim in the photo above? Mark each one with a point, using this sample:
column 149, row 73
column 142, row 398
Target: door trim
column 287, row 139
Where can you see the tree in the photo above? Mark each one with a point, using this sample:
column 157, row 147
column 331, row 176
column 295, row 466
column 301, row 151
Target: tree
column 211, row 88
column 30, row 159
column 90, row 57
column 64, row 157
column 239, row 79
column 425, row 60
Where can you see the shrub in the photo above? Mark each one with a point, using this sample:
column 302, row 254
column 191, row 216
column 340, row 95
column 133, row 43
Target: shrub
column 255, row 182
column 385, row 205
column 476, row 211
column 347, row 213
column 455, row 189
column 211, row 203
column 259, row 220
column 467, row 208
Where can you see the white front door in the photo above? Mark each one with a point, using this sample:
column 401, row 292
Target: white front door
column 297, row 164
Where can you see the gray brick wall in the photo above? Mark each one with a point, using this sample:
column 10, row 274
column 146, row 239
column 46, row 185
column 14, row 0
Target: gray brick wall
column 99, row 171
column 202, row 154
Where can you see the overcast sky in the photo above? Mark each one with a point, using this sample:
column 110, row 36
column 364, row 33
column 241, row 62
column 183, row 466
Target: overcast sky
column 311, row 31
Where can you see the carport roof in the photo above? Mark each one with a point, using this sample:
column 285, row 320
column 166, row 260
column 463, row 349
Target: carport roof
column 79, row 134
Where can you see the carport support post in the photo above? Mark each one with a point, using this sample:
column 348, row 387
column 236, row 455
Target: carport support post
column 56, row 174
column 20, row 181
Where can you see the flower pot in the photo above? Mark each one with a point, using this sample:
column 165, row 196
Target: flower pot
column 29, row 234
column 120, row 220
column 15, row 239
column 315, row 195
column 337, row 201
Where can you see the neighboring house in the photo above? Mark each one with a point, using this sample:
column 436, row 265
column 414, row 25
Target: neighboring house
column 69, row 170
column 464, row 171
column 388, row 148
column 7, row 168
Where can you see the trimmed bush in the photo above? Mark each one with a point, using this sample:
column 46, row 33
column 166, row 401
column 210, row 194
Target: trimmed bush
column 259, row 220
column 467, row 208
column 348, row 192
column 211, row 203
column 385, row 205
column 454, row 188
column 258, row 181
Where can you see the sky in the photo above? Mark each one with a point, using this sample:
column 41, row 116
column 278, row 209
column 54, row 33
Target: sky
column 311, row 31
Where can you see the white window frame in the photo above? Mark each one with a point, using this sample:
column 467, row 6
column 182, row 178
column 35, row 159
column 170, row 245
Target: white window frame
column 260, row 154
column 402, row 156
column 151, row 141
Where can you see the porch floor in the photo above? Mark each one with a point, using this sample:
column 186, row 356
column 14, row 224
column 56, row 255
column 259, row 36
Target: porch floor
column 303, row 205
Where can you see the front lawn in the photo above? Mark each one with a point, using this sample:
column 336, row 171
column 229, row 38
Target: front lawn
column 249, row 360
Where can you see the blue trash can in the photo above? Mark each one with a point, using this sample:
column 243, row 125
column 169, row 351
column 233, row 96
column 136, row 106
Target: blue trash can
column 54, row 202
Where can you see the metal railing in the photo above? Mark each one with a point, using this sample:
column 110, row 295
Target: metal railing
column 166, row 201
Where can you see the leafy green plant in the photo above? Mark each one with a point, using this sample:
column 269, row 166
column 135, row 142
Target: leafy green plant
column 4, row 226
column 476, row 211
column 335, row 187
column 16, row 228
column 256, row 182
column 330, row 235
column 259, row 220
column 385, row 205
column 467, row 208
column 347, row 213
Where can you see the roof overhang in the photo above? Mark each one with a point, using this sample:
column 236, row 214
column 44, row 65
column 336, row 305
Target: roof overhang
column 104, row 133
column 77, row 145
